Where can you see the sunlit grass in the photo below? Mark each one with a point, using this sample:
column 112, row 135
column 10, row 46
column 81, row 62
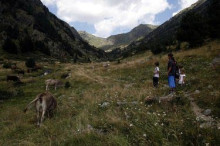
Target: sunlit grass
column 80, row 118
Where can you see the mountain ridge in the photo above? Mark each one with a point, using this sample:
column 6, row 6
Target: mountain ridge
column 25, row 22
column 164, row 34
column 119, row 40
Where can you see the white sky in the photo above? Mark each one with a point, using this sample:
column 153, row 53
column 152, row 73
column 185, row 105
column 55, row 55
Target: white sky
column 108, row 16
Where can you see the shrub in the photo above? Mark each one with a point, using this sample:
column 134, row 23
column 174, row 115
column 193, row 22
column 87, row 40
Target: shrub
column 193, row 29
column 26, row 45
column 67, row 85
column 10, row 47
column 5, row 94
column 7, row 65
column 30, row 63
column 43, row 24
column 42, row 48
column 12, row 31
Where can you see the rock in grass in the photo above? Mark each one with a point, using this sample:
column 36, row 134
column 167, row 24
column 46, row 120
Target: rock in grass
column 207, row 112
column 210, row 86
column 126, row 103
column 216, row 62
column 167, row 98
column 206, row 125
column 197, row 92
column 150, row 100
column 104, row 104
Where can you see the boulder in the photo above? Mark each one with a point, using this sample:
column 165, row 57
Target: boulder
column 150, row 100
column 104, row 104
column 197, row 92
column 207, row 112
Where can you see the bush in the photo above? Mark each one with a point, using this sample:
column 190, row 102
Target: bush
column 42, row 48
column 43, row 24
column 10, row 47
column 5, row 95
column 26, row 45
column 12, row 31
column 7, row 65
column 67, row 85
column 214, row 21
column 30, row 63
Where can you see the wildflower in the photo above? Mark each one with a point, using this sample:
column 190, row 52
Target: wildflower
column 131, row 125
column 144, row 135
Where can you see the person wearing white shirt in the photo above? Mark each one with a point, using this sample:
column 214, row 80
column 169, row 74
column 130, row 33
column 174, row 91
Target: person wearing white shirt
column 182, row 77
column 156, row 75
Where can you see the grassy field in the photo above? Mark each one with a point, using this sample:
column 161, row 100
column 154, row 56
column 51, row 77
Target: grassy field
column 106, row 106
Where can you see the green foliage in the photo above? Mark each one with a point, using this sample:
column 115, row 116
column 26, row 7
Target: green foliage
column 214, row 21
column 157, row 48
column 10, row 47
column 30, row 63
column 196, row 28
column 26, row 44
column 5, row 94
column 7, row 65
column 193, row 29
column 43, row 24
column 12, row 31
column 67, row 85
column 42, row 48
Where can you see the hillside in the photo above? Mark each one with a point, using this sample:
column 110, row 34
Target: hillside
column 112, row 106
column 123, row 40
column 120, row 40
column 27, row 28
column 164, row 38
column 94, row 40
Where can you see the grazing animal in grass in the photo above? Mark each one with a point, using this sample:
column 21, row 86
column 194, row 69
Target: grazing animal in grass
column 13, row 78
column 45, row 103
column 53, row 82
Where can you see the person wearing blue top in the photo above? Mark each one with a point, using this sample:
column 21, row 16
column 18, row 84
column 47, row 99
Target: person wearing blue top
column 171, row 72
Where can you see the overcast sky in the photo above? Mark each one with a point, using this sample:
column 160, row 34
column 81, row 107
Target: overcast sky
column 107, row 17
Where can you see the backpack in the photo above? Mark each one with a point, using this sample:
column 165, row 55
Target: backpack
column 177, row 74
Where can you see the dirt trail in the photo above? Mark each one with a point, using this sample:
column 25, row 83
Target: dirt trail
column 207, row 121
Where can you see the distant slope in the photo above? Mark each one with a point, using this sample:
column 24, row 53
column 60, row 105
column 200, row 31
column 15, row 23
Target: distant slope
column 94, row 40
column 120, row 40
column 164, row 34
column 31, row 28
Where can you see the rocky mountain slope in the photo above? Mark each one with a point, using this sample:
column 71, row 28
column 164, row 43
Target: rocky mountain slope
column 120, row 40
column 28, row 27
column 164, row 34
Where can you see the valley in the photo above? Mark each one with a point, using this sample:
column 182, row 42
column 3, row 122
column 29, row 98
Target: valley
column 109, row 105
column 104, row 86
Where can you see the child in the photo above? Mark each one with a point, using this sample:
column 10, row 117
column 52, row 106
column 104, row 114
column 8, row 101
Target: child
column 156, row 75
column 182, row 76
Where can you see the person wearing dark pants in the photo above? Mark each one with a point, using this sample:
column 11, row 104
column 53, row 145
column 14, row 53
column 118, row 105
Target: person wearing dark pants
column 156, row 75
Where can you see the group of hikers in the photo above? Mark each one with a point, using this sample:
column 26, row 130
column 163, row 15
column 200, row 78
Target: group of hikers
column 175, row 73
